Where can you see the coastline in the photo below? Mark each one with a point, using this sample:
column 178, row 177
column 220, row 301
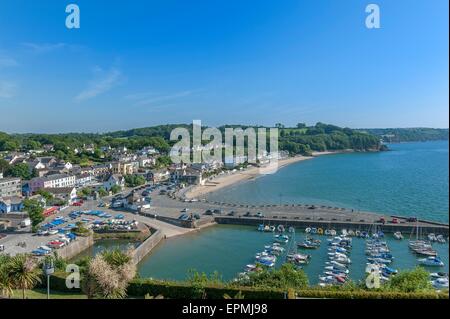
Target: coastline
column 230, row 179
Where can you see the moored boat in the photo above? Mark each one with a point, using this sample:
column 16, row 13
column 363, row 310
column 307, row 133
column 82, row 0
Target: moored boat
column 431, row 261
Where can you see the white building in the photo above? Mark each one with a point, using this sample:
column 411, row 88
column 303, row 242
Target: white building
column 52, row 181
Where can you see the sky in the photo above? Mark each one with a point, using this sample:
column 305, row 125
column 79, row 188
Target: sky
column 142, row 63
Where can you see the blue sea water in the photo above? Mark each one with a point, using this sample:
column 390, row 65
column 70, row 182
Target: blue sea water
column 412, row 179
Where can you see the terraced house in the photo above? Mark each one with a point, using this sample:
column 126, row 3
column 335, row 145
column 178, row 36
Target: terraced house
column 52, row 181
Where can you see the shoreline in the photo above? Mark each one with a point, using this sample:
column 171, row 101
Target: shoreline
column 249, row 174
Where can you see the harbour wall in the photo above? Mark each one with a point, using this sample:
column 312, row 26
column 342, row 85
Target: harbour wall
column 337, row 225
column 76, row 247
column 146, row 246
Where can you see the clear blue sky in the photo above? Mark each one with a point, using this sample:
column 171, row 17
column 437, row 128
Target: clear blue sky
column 139, row 63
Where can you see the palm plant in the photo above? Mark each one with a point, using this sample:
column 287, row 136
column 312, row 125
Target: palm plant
column 6, row 287
column 108, row 274
column 22, row 273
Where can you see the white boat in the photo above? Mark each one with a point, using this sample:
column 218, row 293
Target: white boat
column 337, row 264
column 342, row 260
column 308, row 230
column 398, row 235
column 440, row 283
column 431, row 261
column 440, row 239
column 380, row 260
column 332, row 268
column 436, row 275
column 282, row 239
column 432, row 237
column 250, row 267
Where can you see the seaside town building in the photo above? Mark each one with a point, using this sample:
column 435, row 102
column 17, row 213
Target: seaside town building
column 12, row 204
column 10, row 187
column 52, row 181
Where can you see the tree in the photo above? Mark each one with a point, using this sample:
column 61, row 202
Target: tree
column 23, row 273
column 34, row 210
column 163, row 161
column 134, row 180
column 116, row 189
column 287, row 276
column 4, row 166
column 301, row 125
column 108, row 274
column 414, row 280
column 47, row 195
column 102, row 192
column 20, row 170
column 6, row 287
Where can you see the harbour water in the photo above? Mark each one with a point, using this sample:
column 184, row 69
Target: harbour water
column 227, row 249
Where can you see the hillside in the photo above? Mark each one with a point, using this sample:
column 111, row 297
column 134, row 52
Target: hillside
column 392, row 135
column 299, row 140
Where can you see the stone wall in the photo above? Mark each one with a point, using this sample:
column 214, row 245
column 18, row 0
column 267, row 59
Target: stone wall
column 337, row 225
column 145, row 247
column 76, row 247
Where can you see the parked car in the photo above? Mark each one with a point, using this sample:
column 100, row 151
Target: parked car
column 196, row 216
column 208, row 212
column 259, row 214
column 394, row 221
column 248, row 214
column 232, row 213
column 412, row 219
column 217, row 211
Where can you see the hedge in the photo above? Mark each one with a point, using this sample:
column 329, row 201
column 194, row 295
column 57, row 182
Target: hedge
column 180, row 290
column 361, row 294
column 183, row 290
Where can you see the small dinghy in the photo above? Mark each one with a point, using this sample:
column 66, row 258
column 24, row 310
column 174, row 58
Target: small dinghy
column 398, row 235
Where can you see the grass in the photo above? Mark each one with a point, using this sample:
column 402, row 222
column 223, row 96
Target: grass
column 42, row 294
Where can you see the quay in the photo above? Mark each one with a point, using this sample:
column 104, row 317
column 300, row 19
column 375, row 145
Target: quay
column 298, row 215
column 405, row 228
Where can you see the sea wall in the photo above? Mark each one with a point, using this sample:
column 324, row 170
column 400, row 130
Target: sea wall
column 146, row 246
column 170, row 220
column 75, row 247
column 337, row 225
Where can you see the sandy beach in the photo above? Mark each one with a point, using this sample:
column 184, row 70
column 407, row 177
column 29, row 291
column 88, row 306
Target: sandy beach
column 226, row 180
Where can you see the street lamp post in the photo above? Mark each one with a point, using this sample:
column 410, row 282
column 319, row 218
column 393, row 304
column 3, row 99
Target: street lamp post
column 49, row 269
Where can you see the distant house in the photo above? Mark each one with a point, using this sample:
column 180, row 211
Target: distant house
column 134, row 202
column 160, row 175
column 10, row 187
column 48, row 147
column 187, row 175
column 15, row 158
column 83, row 180
column 125, row 168
column 11, row 204
column 148, row 150
column 145, row 161
column 114, row 179
column 68, row 194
